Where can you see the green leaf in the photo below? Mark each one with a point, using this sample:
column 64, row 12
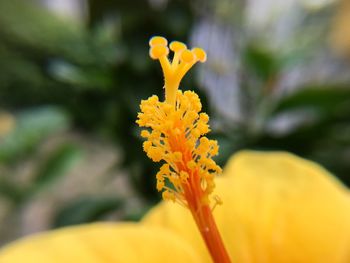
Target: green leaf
column 80, row 77
column 86, row 209
column 322, row 98
column 11, row 190
column 260, row 62
column 57, row 165
column 46, row 31
column 32, row 127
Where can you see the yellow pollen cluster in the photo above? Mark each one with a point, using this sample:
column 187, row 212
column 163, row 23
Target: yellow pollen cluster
column 176, row 69
column 175, row 130
column 176, row 136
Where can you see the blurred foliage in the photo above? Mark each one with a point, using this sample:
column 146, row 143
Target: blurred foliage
column 31, row 127
column 57, row 164
column 93, row 74
column 87, row 209
column 317, row 114
column 62, row 75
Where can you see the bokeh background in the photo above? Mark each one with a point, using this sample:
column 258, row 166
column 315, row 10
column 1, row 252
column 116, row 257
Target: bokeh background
column 72, row 74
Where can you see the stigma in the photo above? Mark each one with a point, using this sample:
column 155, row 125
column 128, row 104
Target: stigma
column 176, row 68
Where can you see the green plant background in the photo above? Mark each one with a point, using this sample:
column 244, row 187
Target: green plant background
column 73, row 88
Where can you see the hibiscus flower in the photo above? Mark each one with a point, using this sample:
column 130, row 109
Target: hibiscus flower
column 274, row 207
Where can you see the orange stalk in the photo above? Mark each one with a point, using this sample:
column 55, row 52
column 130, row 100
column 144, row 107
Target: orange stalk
column 201, row 211
column 210, row 233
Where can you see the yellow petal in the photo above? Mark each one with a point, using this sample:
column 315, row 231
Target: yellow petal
column 277, row 208
column 178, row 219
column 101, row 243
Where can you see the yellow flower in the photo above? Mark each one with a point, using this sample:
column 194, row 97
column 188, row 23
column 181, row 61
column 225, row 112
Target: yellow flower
column 278, row 208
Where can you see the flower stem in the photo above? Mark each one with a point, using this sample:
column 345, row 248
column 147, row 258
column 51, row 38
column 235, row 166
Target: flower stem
column 206, row 224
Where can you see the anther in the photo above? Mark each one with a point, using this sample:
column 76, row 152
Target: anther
column 145, row 134
column 187, row 56
column 158, row 51
column 200, row 54
column 217, row 201
column 177, row 46
column 155, row 41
